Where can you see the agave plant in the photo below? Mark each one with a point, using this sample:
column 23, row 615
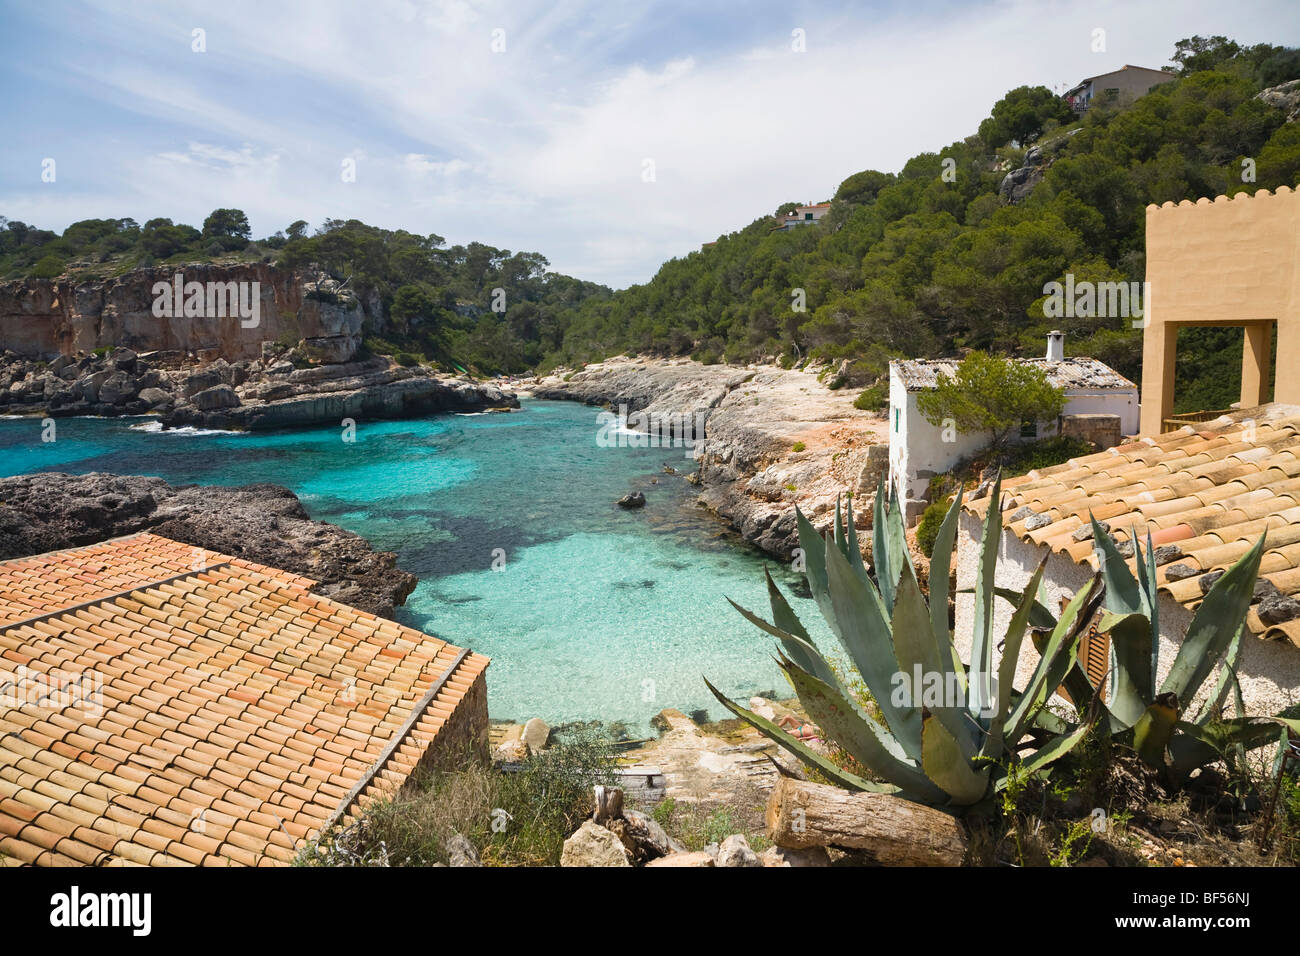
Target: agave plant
column 1150, row 717
column 947, row 750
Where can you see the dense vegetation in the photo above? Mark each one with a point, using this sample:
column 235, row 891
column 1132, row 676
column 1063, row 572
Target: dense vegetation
column 927, row 261
column 919, row 263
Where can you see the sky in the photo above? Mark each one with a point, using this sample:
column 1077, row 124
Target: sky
column 608, row 136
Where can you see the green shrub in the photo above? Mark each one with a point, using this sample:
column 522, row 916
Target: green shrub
column 873, row 399
column 798, row 446
column 48, row 267
column 406, row 359
column 927, row 529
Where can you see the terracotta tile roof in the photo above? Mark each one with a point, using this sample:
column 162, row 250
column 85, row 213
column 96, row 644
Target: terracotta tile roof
column 1205, row 493
column 236, row 713
column 1074, row 372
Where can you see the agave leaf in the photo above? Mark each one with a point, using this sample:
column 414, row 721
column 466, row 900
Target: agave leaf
column 920, row 654
column 945, row 762
column 1195, row 746
column 858, row 620
column 941, row 567
column 796, row 648
column 981, row 651
column 1154, row 729
column 783, row 615
column 1146, row 568
column 1131, row 680
column 1215, row 623
column 1123, row 596
column 1011, row 642
column 886, row 574
column 1040, row 616
column 900, row 556
column 814, row 555
column 1058, row 656
column 1227, row 680
column 844, row 721
column 797, row 747
column 851, row 538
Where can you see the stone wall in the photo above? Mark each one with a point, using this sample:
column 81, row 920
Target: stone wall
column 1103, row 431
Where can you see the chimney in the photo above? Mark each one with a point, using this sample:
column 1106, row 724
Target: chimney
column 1055, row 346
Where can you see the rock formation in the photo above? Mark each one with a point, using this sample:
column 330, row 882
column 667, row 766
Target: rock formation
column 753, row 419
column 264, row 523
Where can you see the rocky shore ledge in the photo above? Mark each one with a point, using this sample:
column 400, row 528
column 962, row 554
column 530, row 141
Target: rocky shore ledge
column 774, row 438
column 264, row 523
column 282, row 389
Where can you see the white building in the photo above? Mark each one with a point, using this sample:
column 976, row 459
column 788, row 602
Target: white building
column 804, row 216
column 917, row 449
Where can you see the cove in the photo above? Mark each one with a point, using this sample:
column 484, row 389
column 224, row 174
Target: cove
column 589, row 612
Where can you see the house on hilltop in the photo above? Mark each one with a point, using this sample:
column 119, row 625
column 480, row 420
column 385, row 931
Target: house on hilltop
column 804, row 216
column 1101, row 406
column 1117, row 88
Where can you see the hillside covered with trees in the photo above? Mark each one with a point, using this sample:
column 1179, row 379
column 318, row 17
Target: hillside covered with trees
column 920, row 263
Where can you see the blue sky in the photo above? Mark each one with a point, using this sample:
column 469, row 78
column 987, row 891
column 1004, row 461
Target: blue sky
column 541, row 146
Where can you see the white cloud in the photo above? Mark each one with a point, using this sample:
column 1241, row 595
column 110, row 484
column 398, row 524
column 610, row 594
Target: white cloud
column 542, row 147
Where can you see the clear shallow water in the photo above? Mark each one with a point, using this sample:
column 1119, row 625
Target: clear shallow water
column 595, row 613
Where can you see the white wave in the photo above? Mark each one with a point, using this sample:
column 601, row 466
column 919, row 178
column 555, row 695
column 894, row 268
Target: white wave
column 156, row 428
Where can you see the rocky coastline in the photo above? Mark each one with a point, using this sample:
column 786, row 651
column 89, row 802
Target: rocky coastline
column 264, row 523
column 773, row 438
column 282, row 389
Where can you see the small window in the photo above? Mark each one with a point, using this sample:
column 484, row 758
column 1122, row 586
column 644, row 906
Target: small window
column 807, row 215
column 1028, row 429
column 1112, row 93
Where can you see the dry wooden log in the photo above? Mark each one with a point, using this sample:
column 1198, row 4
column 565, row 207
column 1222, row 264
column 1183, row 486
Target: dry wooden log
column 894, row 831
column 609, row 804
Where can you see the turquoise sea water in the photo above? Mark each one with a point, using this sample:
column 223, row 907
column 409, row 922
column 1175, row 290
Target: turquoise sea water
column 593, row 613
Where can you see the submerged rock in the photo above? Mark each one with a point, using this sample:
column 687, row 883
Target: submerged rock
column 634, row 500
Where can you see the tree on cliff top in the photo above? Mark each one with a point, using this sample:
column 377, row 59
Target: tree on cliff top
column 229, row 227
column 1022, row 114
column 991, row 394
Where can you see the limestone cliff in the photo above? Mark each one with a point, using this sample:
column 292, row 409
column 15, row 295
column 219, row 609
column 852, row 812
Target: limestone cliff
column 44, row 318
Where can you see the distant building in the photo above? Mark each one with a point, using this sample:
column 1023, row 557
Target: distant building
column 804, row 216
column 1100, row 404
column 1118, row 88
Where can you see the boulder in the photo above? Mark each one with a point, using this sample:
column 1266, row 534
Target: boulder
column 735, row 851
column 460, row 852
column 785, row 856
column 512, row 751
column 219, row 396
column 651, row 840
column 536, row 733
column 593, row 845
column 123, row 360
column 117, row 389
column 634, row 500
column 200, row 381
column 698, row 858
column 155, row 397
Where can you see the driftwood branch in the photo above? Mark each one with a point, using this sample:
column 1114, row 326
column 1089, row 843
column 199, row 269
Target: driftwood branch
column 894, row 831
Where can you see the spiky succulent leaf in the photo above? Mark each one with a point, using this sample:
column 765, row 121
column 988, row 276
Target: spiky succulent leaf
column 946, row 763
column 1129, row 693
column 921, row 655
column 1123, row 595
column 1058, row 655
column 1213, row 626
column 1053, row 750
column 862, row 737
column 1011, row 643
column 858, row 619
column 981, row 653
column 799, row 749
column 941, row 566
column 783, row 615
column 796, row 648
column 1225, row 682
column 1153, row 730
